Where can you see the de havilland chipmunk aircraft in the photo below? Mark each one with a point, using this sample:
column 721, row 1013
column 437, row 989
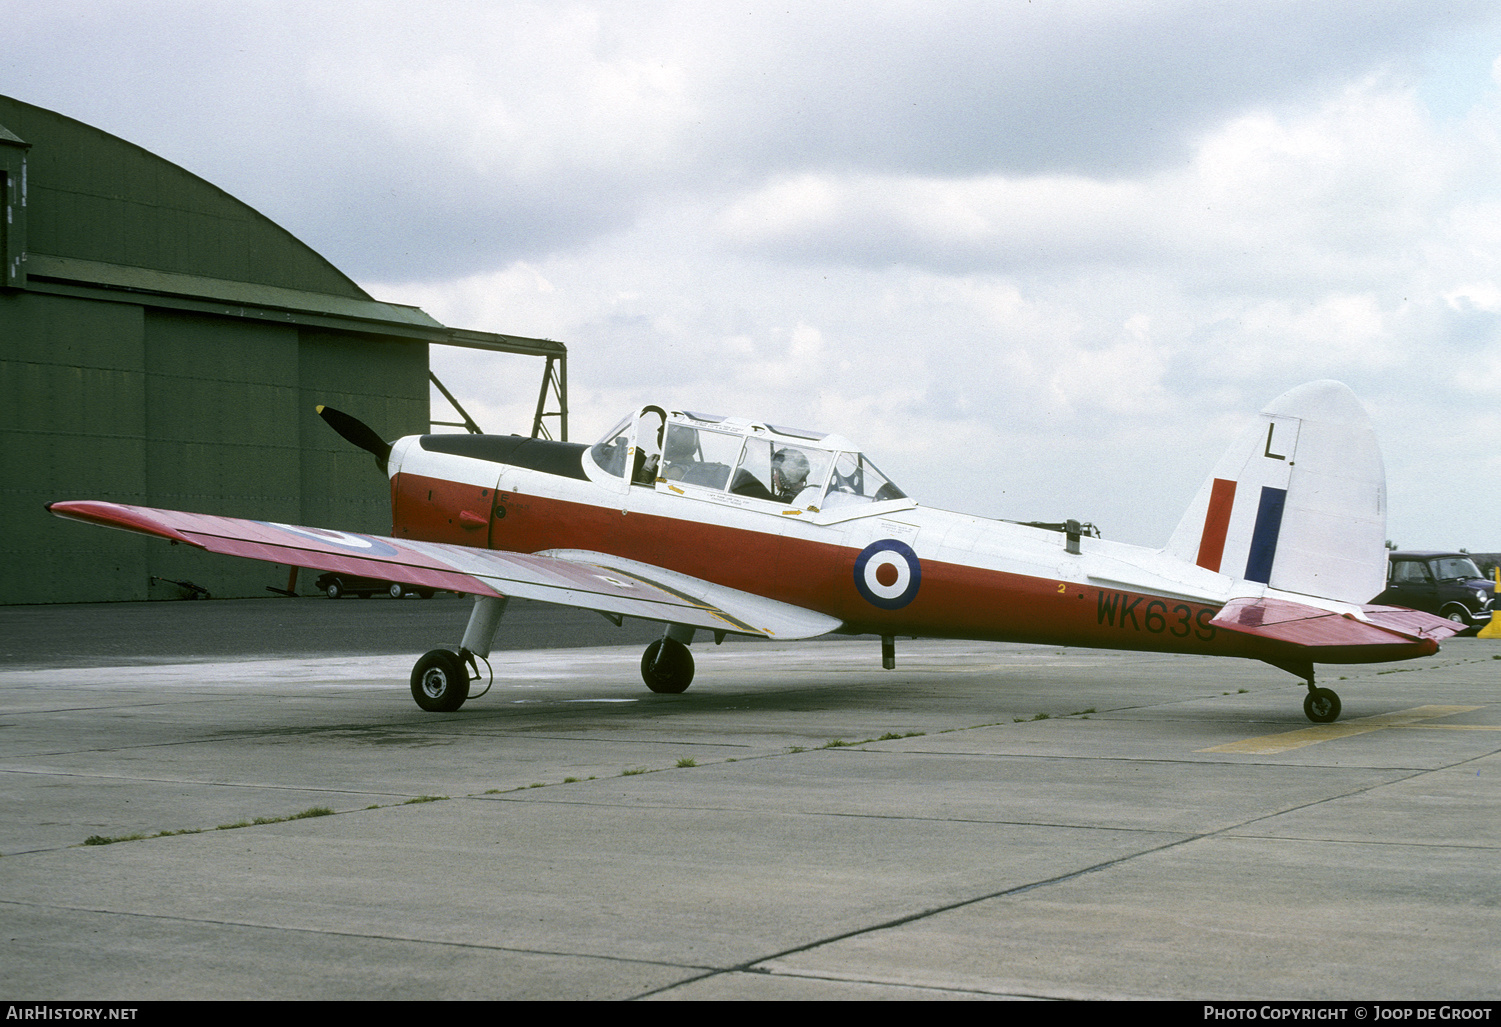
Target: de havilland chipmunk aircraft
column 730, row 526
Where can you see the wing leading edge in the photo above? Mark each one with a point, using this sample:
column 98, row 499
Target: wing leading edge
column 590, row 581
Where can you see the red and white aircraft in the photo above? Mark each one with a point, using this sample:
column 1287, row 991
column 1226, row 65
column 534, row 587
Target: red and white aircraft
column 729, row 526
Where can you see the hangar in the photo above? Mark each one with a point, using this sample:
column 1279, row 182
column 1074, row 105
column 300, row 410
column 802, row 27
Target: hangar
column 162, row 343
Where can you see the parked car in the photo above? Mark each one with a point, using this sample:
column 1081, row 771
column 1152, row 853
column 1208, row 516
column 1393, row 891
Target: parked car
column 1448, row 584
column 1487, row 562
column 336, row 586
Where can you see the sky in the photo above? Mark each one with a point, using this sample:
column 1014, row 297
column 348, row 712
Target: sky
column 1041, row 260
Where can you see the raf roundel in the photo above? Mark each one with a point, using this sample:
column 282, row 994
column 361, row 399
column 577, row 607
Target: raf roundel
column 887, row 574
column 363, row 544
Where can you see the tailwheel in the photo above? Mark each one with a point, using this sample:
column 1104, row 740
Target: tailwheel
column 440, row 681
column 667, row 666
column 1321, row 705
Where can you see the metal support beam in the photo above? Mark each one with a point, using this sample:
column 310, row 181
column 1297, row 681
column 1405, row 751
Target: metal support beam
column 468, row 422
column 554, row 379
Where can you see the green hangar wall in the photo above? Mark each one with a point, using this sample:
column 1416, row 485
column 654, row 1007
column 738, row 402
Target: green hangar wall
column 163, row 344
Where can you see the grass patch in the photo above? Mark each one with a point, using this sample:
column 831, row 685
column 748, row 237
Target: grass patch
column 840, row 743
column 311, row 811
column 570, row 780
column 1080, row 713
column 424, row 798
column 100, row 839
column 632, row 771
column 796, row 748
column 687, row 761
column 1042, row 716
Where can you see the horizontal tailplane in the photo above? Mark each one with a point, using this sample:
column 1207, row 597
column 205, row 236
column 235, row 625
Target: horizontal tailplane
column 1375, row 627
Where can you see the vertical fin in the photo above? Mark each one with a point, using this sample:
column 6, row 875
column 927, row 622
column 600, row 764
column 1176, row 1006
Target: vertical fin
column 1298, row 502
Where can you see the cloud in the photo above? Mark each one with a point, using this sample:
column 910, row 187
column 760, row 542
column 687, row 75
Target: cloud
column 1039, row 258
column 428, row 143
column 1331, row 196
column 1051, row 322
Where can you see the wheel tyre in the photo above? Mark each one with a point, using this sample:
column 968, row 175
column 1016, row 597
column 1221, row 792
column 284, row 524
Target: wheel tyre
column 440, row 681
column 334, row 590
column 397, row 591
column 1457, row 615
column 1321, row 706
column 424, row 593
column 676, row 671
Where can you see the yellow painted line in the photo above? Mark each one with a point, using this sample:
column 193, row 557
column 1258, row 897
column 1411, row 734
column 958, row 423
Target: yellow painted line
column 1268, row 745
column 1456, row 727
column 1413, row 717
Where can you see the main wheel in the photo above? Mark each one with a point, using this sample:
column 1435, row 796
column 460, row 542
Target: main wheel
column 673, row 673
column 396, row 591
column 1457, row 615
column 335, row 589
column 1321, row 706
column 440, row 681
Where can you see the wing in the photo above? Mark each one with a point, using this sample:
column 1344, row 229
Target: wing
column 1376, row 632
column 590, row 581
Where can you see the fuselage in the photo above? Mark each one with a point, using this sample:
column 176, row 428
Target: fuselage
column 884, row 566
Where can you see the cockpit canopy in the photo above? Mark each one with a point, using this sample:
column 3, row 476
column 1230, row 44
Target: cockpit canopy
column 703, row 454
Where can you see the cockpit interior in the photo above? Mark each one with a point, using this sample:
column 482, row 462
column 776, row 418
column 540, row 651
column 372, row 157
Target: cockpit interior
column 690, row 454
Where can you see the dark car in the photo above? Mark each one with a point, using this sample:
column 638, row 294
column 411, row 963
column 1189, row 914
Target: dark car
column 336, row 586
column 1448, row 584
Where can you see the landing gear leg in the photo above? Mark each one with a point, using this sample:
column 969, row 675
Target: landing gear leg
column 440, row 680
column 667, row 665
column 1321, row 705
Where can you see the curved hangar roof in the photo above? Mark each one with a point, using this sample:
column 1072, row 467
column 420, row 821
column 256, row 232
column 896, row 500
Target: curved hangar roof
column 88, row 212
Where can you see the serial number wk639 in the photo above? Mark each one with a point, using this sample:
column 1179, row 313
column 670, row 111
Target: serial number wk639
column 1119, row 610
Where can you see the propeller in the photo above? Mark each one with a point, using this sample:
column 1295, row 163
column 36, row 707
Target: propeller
column 358, row 432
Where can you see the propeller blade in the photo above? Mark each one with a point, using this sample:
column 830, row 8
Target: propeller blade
column 358, row 432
